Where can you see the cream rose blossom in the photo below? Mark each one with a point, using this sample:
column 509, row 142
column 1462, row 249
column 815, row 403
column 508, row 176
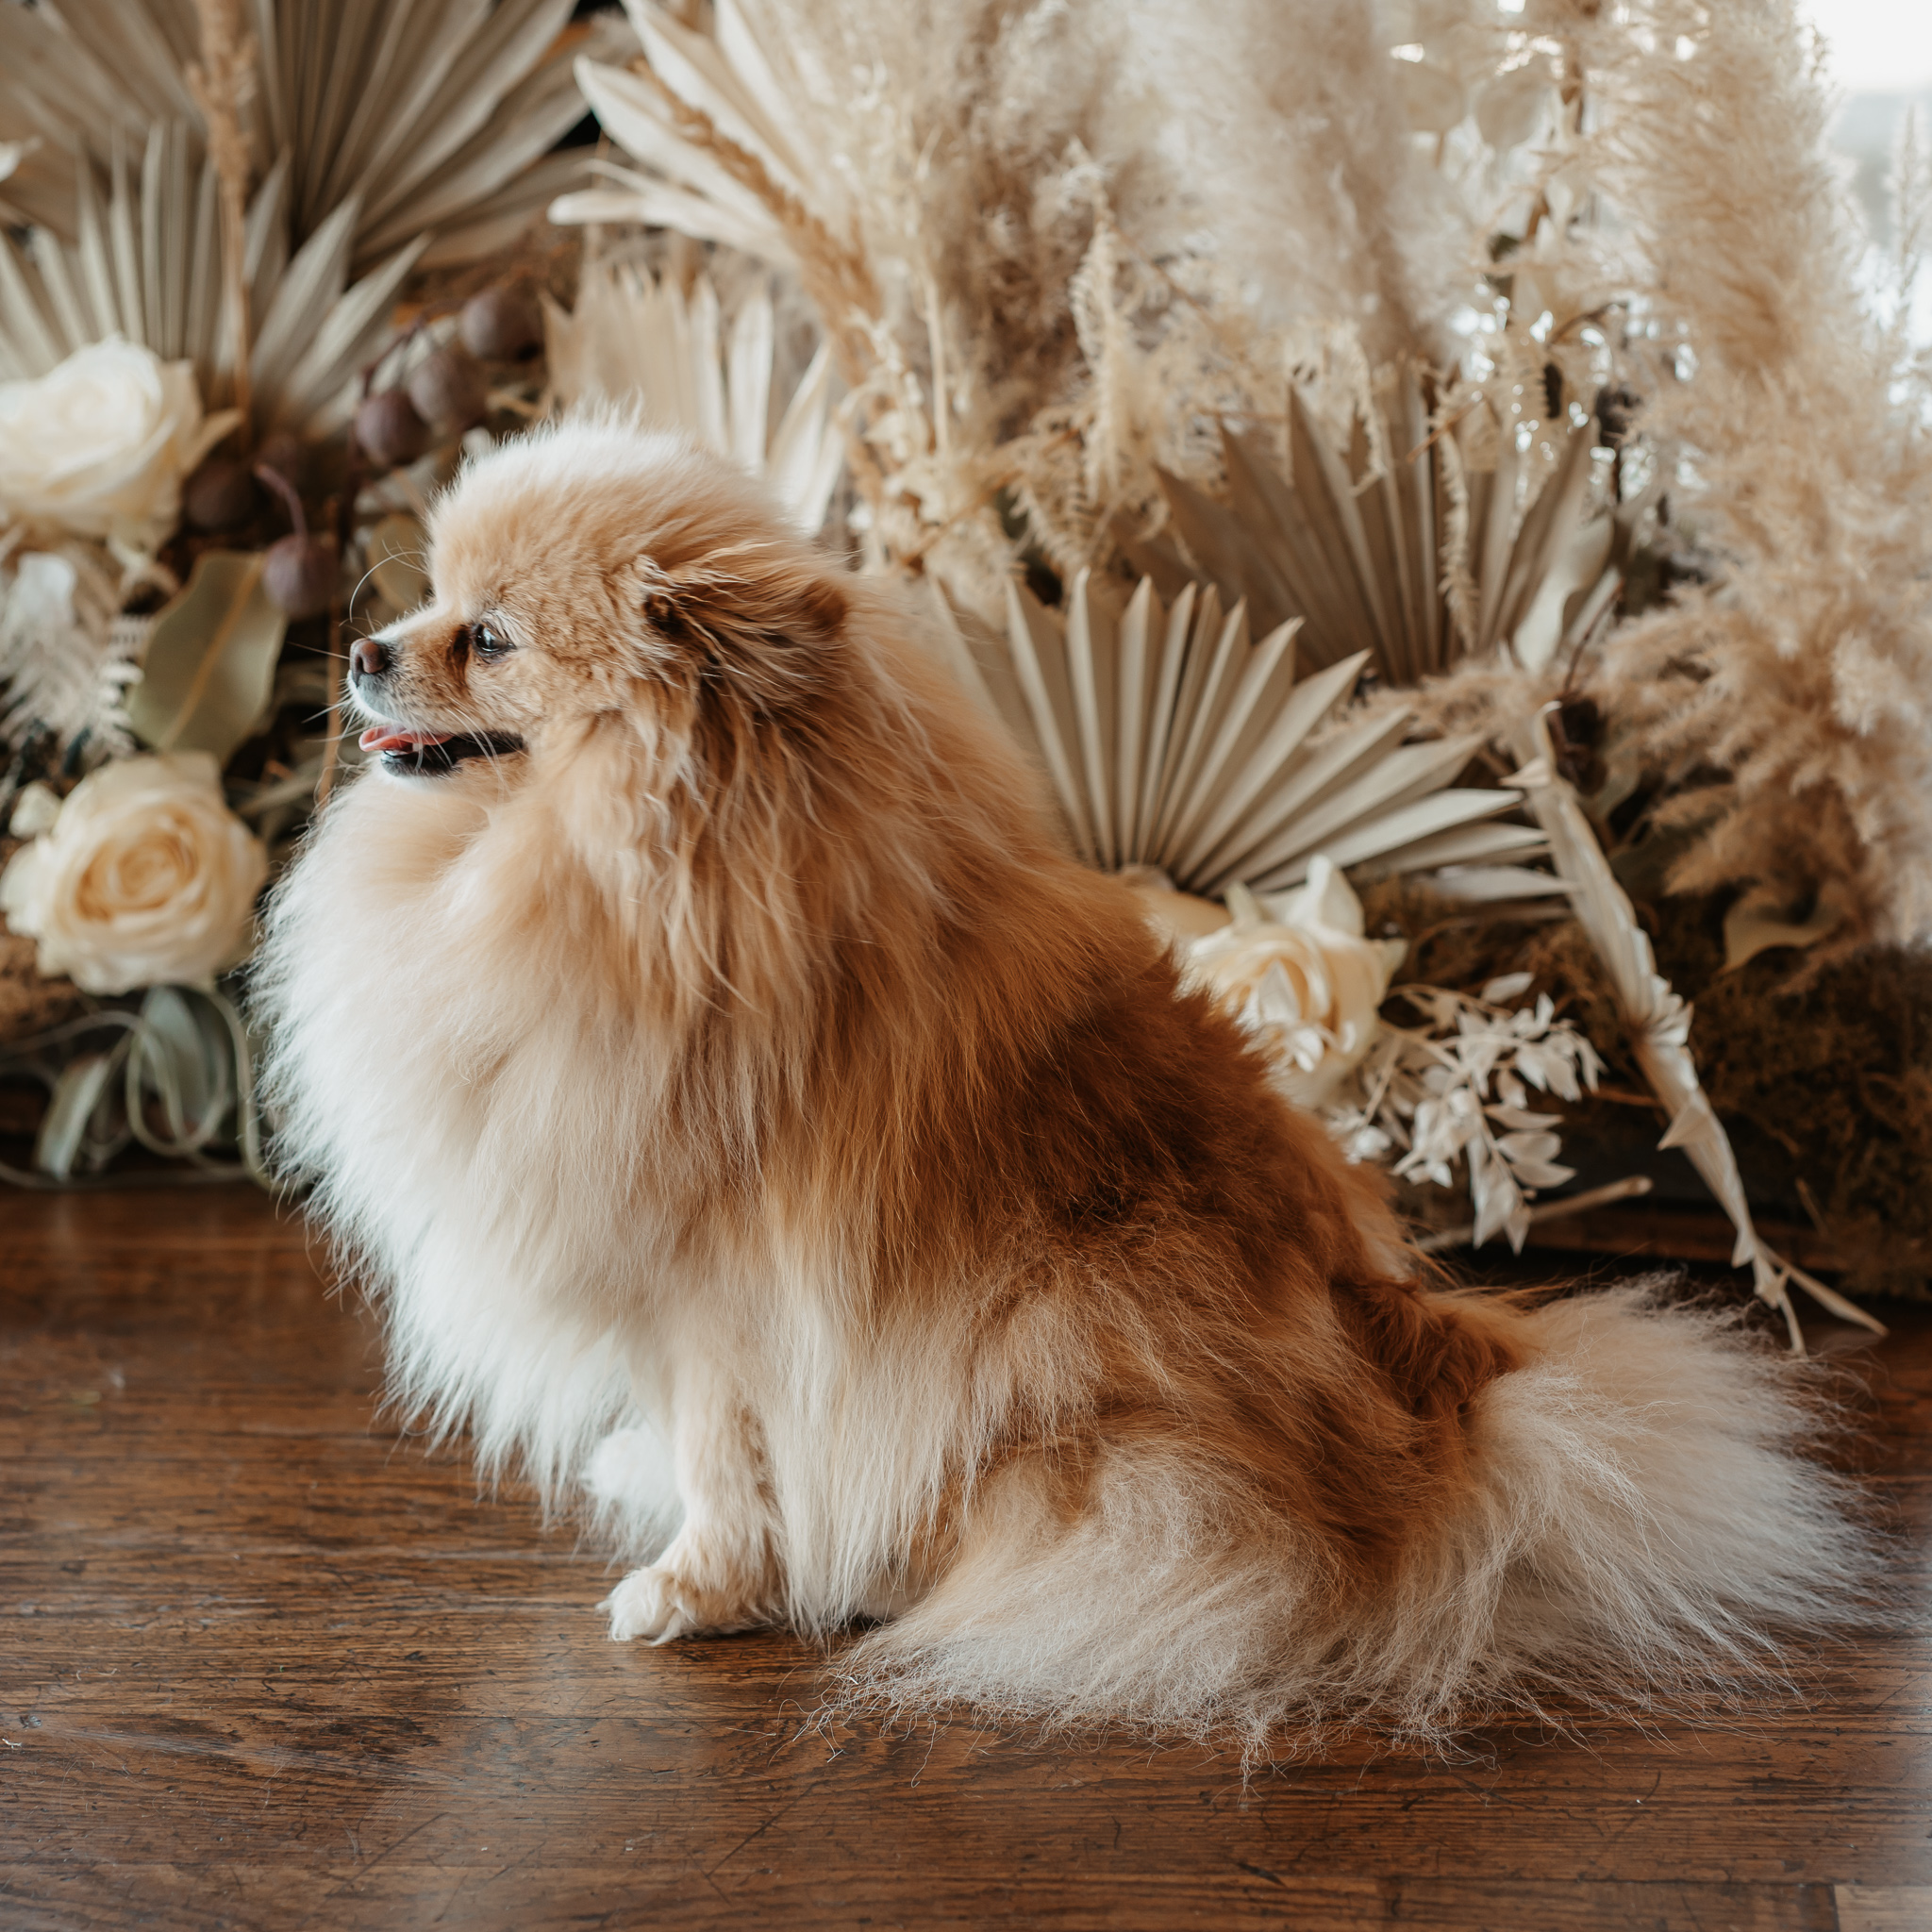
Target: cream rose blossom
column 1303, row 981
column 144, row 877
column 98, row 446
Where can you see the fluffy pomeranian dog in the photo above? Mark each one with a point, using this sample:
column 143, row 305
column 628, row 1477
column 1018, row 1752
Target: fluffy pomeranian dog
column 744, row 1108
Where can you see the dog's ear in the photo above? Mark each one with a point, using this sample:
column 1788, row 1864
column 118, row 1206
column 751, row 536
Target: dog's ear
column 753, row 619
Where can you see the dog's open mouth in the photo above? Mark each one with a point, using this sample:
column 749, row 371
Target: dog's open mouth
column 427, row 753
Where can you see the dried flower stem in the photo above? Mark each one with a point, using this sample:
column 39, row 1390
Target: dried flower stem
column 338, row 696
column 223, row 83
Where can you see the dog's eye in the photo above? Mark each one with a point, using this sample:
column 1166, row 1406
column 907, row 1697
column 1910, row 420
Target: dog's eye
column 487, row 644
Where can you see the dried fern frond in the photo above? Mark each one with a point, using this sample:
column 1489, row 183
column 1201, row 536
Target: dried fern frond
column 1174, row 741
column 686, row 364
column 66, row 655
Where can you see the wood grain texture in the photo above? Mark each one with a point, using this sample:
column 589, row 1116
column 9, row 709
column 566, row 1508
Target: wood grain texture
column 264, row 1664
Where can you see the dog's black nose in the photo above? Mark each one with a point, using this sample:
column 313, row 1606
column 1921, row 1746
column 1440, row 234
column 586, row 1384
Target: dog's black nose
column 369, row 658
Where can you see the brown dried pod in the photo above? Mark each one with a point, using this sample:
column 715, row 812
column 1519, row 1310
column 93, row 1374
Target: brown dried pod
column 286, row 454
column 503, row 325
column 300, row 574
column 448, row 388
column 219, row 495
column 389, row 427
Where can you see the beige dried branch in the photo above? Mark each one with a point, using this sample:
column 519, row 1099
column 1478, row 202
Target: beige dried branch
column 223, row 84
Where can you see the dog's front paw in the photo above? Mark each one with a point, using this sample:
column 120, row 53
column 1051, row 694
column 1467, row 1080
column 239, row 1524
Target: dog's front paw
column 647, row 1603
column 687, row 1592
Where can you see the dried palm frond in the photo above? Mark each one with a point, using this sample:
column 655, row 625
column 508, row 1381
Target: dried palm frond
column 636, row 338
column 717, row 118
column 1173, row 741
column 80, row 74
column 426, row 116
column 1418, row 546
column 147, row 264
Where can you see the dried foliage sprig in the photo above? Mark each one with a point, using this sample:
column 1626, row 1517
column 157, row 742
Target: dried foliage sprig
column 1454, row 1090
column 1658, row 1023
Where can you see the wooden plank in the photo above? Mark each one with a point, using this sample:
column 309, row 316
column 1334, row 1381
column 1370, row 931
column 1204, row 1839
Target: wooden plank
column 508, row 1896
column 1884, row 1907
column 267, row 1663
column 1634, row 1229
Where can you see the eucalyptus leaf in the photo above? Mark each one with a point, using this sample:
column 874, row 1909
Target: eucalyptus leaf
column 76, row 1092
column 183, row 1057
column 210, row 660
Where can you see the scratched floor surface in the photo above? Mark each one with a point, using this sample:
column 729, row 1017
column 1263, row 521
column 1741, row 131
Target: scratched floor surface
column 266, row 1666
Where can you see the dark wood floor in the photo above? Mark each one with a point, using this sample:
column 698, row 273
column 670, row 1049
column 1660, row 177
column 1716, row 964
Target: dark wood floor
column 266, row 1666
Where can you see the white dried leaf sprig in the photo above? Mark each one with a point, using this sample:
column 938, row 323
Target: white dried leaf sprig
column 1455, row 1090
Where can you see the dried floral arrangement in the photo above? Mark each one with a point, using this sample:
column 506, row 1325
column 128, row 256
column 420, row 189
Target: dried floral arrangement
column 1345, row 445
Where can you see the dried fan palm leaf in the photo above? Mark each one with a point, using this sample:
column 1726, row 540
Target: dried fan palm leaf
column 422, row 114
column 634, row 338
column 714, row 117
column 83, row 72
column 1418, row 559
column 1174, row 741
column 146, row 265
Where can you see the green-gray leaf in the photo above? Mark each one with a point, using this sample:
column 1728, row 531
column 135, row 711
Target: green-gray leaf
column 77, row 1094
column 210, row 660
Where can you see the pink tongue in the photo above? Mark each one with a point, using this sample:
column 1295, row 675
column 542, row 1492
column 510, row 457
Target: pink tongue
column 393, row 738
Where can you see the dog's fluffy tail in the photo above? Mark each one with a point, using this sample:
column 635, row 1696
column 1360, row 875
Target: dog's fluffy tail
column 1640, row 1527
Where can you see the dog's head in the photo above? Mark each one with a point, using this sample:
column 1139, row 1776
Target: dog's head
column 593, row 569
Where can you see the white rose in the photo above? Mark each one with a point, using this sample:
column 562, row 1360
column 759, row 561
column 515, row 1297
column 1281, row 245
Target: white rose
column 98, row 446
column 1305, row 981
column 144, row 877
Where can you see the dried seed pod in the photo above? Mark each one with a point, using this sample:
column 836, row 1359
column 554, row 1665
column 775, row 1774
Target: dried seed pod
column 390, row 428
column 300, row 574
column 503, row 325
column 285, row 454
column 219, row 495
column 448, row 389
